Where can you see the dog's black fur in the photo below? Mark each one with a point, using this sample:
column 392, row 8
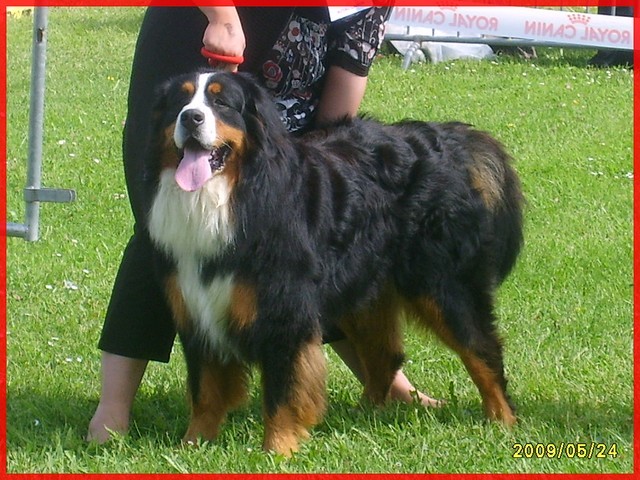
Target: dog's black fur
column 338, row 230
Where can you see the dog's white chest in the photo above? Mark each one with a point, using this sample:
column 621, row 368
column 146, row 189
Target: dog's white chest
column 208, row 305
column 190, row 227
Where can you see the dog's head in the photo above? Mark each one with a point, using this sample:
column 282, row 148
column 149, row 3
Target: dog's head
column 208, row 123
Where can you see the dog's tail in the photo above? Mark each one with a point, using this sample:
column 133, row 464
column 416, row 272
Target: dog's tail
column 494, row 178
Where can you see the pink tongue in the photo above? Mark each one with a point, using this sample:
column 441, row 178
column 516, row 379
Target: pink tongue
column 194, row 169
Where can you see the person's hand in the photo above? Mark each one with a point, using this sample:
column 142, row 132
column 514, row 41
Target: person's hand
column 224, row 34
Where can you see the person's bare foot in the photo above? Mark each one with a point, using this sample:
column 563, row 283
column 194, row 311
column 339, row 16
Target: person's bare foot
column 121, row 377
column 403, row 391
column 107, row 421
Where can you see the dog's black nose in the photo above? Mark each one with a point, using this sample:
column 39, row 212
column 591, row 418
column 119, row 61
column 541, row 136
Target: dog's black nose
column 192, row 119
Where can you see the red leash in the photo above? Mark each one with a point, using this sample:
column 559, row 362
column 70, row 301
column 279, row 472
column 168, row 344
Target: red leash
column 215, row 58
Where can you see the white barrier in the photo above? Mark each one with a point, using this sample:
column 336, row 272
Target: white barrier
column 530, row 24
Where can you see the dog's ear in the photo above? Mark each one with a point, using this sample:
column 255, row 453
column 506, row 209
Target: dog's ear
column 152, row 147
column 161, row 95
column 259, row 109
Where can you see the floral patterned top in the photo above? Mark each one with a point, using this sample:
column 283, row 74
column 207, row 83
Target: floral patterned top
column 295, row 66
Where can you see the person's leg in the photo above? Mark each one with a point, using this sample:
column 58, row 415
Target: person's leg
column 137, row 328
column 168, row 45
column 121, row 377
column 138, row 325
column 402, row 389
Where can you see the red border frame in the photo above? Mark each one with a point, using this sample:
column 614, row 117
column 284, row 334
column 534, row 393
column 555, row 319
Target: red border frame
column 458, row 3
column 121, row 3
column 3, row 246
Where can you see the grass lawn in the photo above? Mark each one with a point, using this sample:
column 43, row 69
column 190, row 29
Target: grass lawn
column 566, row 311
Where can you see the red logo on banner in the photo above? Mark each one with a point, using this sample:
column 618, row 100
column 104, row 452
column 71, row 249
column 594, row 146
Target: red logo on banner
column 579, row 18
column 577, row 29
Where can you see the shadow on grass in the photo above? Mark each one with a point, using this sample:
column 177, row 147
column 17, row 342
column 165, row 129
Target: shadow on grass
column 554, row 57
column 590, row 422
column 37, row 421
column 580, row 416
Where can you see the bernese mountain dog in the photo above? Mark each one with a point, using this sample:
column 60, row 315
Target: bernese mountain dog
column 268, row 243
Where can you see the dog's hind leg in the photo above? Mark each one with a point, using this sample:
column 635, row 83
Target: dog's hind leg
column 215, row 388
column 294, row 392
column 479, row 349
column 376, row 335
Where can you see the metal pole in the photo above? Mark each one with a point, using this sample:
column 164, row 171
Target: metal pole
column 33, row 193
column 36, row 118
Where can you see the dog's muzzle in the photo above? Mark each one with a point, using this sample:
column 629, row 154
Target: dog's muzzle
column 192, row 119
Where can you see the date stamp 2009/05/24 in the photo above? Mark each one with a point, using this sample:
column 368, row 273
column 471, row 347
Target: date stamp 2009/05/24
column 586, row 450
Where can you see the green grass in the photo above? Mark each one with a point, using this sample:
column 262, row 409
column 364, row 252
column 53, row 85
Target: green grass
column 566, row 312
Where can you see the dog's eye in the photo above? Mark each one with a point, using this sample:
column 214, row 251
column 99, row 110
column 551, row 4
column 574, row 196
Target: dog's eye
column 218, row 102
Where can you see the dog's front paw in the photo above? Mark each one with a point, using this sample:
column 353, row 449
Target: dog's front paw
column 285, row 443
column 202, row 427
column 502, row 413
column 283, row 434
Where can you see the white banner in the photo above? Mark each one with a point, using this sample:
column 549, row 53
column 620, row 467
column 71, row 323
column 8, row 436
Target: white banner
column 552, row 26
column 336, row 13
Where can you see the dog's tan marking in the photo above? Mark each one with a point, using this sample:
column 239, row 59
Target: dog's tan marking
column 235, row 139
column 169, row 157
column 305, row 406
column 230, row 136
column 494, row 401
column 489, row 168
column 430, row 316
column 494, row 398
column 283, row 433
column 177, row 305
column 188, row 88
column 214, row 88
column 376, row 334
column 485, row 182
column 244, row 306
column 222, row 387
